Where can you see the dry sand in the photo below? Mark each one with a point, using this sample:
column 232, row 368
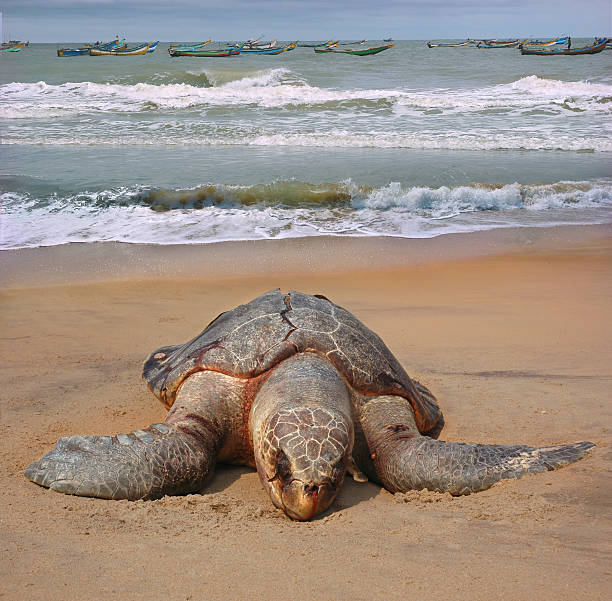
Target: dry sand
column 511, row 330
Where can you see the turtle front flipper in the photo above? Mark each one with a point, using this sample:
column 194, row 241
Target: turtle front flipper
column 406, row 460
column 172, row 458
column 145, row 464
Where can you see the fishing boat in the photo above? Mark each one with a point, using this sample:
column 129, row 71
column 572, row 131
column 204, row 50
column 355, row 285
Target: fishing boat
column 84, row 50
column 269, row 51
column 13, row 43
column 202, row 52
column 488, row 44
column 449, row 45
column 191, row 46
column 354, row 51
column 594, row 48
column 359, row 43
column 387, row 39
column 152, row 47
column 16, row 47
column 134, row 51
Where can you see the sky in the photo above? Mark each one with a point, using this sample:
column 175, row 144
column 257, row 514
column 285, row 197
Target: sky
column 191, row 20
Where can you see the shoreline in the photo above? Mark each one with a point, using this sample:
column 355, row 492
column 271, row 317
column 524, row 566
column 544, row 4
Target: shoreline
column 111, row 261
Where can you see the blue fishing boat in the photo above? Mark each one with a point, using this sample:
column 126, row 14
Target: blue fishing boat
column 134, row 51
column 489, row 44
column 203, row 52
column 84, row 50
column 269, row 51
column 14, row 47
column 594, row 48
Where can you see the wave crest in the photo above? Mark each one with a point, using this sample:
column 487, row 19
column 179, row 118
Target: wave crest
column 279, row 87
column 288, row 209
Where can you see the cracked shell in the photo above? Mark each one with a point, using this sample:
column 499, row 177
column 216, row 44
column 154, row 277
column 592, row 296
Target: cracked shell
column 253, row 338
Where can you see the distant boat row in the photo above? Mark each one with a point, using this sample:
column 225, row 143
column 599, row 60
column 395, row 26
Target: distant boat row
column 532, row 47
column 256, row 46
column 115, row 48
column 232, row 50
column 119, row 47
column 490, row 43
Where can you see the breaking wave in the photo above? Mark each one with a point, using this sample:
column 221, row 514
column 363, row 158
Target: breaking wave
column 286, row 209
column 280, row 87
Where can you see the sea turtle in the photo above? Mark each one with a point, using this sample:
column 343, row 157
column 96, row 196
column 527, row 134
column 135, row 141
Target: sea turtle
column 300, row 389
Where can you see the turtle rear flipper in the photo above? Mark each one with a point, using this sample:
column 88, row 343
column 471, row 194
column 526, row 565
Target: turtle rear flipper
column 145, row 464
column 405, row 460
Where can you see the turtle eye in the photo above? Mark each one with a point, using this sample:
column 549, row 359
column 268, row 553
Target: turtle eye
column 283, row 467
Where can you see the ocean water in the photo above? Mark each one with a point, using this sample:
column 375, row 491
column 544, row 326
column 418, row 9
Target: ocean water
column 412, row 142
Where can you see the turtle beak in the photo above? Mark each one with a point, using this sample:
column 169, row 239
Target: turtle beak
column 303, row 500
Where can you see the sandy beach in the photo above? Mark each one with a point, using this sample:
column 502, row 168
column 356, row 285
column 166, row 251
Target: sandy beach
column 510, row 329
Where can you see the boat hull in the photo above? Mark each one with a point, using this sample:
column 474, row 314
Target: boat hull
column 459, row 45
column 353, row 51
column 73, row 52
column 136, row 51
column 206, row 53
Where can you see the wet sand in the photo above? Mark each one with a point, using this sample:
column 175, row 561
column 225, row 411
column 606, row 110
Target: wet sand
column 511, row 330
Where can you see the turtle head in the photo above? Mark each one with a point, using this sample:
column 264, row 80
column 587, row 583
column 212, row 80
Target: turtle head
column 302, row 459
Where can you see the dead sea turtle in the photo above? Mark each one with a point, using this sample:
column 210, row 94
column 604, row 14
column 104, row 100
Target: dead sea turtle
column 300, row 389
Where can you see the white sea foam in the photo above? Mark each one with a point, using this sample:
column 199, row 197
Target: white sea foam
column 527, row 93
column 281, row 87
column 447, row 140
column 392, row 210
column 533, row 84
column 264, row 88
column 531, row 113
